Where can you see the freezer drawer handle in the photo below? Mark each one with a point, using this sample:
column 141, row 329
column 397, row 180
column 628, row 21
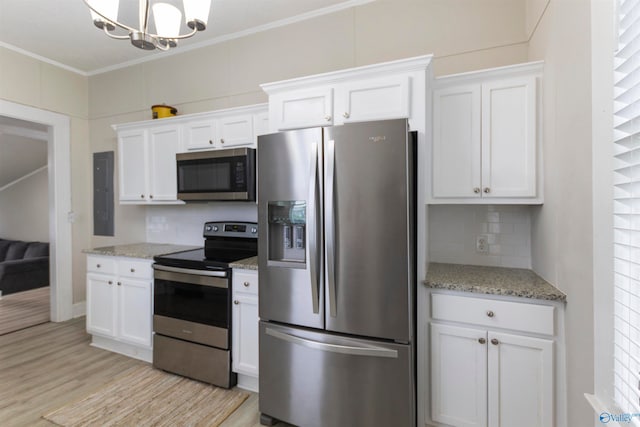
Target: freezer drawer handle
column 334, row 348
column 312, row 228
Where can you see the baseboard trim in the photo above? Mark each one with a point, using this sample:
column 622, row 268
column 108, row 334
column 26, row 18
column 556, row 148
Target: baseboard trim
column 79, row 309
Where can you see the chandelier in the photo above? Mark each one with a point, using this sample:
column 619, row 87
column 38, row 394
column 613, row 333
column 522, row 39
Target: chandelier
column 167, row 19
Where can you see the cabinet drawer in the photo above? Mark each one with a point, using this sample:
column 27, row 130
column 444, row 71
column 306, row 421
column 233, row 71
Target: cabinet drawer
column 101, row 264
column 494, row 313
column 245, row 282
column 134, row 268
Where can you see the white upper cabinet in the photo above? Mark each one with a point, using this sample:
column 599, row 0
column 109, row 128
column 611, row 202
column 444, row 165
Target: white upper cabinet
column 147, row 150
column 302, row 108
column 373, row 92
column 147, row 164
column 486, row 139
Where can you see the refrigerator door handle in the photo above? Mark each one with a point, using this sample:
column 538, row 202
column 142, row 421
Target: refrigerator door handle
column 312, row 227
column 330, row 227
column 334, row 348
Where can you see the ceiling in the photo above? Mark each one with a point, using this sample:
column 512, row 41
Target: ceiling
column 61, row 31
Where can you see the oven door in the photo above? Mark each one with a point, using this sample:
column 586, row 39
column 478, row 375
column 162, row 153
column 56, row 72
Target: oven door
column 192, row 305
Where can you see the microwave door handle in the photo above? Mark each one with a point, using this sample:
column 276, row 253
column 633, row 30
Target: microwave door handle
column 312, row 226
column 330, row 226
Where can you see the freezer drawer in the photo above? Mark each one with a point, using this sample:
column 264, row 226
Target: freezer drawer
column 310, row 378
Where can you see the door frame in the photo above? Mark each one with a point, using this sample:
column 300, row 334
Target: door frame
column 59, row 175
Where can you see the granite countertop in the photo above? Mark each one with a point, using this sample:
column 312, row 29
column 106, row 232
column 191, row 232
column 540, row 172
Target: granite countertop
column 246, row 264
column 516, row 282
column 139, row 250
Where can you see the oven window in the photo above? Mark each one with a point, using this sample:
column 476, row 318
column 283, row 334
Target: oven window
column 195, row 303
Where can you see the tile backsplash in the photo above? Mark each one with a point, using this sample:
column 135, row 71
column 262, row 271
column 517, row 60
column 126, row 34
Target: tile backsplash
column 183, row 224
column 455, row 229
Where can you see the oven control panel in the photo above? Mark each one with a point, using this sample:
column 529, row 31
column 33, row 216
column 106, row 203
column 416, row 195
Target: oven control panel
column 231, row 229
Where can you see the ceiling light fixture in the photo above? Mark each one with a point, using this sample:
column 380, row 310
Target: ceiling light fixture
column 167, row 20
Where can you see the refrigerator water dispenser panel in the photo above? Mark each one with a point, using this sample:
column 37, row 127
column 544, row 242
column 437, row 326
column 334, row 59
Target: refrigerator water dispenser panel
column 287, row 223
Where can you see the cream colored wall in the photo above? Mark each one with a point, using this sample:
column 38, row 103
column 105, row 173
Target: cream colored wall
column 562, row 229
column 24, row 209
column 27, row 81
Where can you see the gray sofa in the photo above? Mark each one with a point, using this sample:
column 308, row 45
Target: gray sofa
column 23, row 265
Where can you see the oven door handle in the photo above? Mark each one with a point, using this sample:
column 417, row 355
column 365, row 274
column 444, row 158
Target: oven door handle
column 216, row 279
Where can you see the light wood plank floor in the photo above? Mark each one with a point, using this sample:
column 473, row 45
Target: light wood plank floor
column 24, row 309
column 44, row 367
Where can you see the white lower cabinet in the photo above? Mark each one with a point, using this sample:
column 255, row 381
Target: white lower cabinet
column 483, row 377
column 119, row 305
column 244, row 337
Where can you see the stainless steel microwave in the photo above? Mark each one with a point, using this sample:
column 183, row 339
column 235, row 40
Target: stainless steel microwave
column 217, row 175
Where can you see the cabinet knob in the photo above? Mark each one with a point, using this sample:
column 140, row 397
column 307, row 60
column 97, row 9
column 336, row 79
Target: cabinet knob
column 133, row 270
column 494, row 341
column 327, row 118
column 98, row 266
column 490, row 313
column 119, row 284
column 221, row 140
column 142, row 196
column 487, row 190
column 110, row 282
column 482, row 341
column 246, row 284
column 211, row 142
column 236, row 302
column 151, row 196
column 345, row 115
column 476, row 190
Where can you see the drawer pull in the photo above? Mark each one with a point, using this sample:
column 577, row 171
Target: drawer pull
column 98, row 266
column 482, row 341
column 133, row 270
column 119, row 284
column 236, row 302
column 110, row 282
column 246, row 284
column 494, row 341
column 490, row 313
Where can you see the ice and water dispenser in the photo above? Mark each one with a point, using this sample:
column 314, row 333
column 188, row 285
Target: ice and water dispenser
column 287, row 223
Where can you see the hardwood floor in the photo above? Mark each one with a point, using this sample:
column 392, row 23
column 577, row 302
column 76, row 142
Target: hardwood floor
column 24, row 309
column 46, row 366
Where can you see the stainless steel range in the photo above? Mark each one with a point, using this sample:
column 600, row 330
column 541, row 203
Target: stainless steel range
column 192, row 304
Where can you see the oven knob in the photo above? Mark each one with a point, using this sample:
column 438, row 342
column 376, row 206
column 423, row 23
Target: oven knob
column 215, row 228
column 254, row 230
column 208, row 228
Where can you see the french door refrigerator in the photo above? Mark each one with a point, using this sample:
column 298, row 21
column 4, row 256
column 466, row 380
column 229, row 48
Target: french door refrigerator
column 337, row 275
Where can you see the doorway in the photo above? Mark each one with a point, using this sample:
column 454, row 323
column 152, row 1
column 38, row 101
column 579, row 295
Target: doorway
column 59, row 176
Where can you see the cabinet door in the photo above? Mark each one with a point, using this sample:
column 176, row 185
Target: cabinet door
column 260, row 124
column 134, row 311
column 456, row 142
column 458, row 376
column 245, row 335
column 199, row 135
column 373, row 99
column 101, row 309
column 520, row 381
column 509, row 138
column 132, row 166
column 164, row 143
column 234, row 131
column 301, row 109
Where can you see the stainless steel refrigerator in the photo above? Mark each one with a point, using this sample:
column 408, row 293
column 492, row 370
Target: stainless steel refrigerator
column 336, row 213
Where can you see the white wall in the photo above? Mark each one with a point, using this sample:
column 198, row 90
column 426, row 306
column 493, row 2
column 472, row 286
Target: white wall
column 24, row 209
column 562, row 229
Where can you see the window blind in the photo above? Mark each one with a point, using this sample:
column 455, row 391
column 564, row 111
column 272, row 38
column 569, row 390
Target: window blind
column 626, row 209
